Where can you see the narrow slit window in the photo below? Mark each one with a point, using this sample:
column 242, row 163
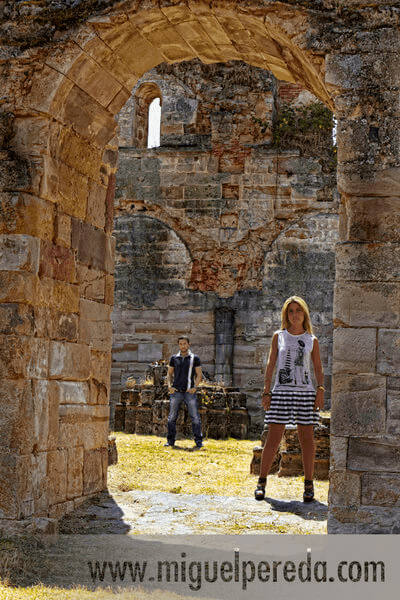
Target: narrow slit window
column 153, row 139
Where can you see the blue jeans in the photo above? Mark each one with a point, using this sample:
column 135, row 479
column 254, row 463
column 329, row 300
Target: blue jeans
column 191, row 402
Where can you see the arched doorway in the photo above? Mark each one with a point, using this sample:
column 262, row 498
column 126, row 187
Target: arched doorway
column 57, row 204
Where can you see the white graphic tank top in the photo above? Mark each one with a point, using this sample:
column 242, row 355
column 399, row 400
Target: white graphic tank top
column 293, row 365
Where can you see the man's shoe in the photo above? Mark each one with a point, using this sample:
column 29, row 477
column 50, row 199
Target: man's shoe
column 168, row 445
column 198, row 447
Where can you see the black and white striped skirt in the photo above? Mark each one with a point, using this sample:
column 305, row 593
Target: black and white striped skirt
column 292, row 408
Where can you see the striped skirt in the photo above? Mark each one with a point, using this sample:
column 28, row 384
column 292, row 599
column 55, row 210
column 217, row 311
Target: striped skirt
column 292, row 408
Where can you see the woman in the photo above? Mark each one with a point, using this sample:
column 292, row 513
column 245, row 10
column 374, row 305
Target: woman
column 293, row 399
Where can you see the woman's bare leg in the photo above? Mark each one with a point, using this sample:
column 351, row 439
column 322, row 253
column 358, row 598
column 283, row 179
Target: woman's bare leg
column 275, row 433
column 306, row 439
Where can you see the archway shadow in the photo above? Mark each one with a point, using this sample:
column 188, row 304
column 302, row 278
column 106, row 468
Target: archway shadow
column 85, row 519
column 309, row 511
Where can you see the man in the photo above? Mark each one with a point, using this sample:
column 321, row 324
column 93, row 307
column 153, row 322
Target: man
column 183, row 377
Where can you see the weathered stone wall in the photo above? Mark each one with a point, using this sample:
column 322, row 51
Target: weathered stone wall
column 217, row 218
column 64, row 75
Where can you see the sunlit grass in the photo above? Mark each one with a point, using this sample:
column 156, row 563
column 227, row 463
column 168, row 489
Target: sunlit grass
column 222, row 469
column 41, row 592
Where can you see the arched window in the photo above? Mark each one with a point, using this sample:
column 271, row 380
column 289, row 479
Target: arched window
column 147, row 116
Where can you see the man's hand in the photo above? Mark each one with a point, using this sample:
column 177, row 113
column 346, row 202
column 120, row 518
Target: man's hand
column 192, row 390
column 171, row 389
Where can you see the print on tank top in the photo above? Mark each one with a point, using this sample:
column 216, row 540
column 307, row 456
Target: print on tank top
column 294, row 361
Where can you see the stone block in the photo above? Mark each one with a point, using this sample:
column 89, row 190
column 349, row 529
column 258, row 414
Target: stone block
column 238, row 423
column 290, row 464
column 53, row 293
column 53, row 415
column 24, row 486
column 380, row 489
column 63, row 230
column 40, row 421
column 38, row 366
column 149, row 352
column 93, row 471
column 388, row 351
column 91, row 120
column 57, row 461
column 19, row 253
column 130, row 419
column 69, row 361
column 71, row 392
column 96, row 206
column 144, row 420
column 119, row 417
column 15, row 356
column 57, row 262
column 44, row 85
column 25, row 214
column 95, row 325
column 217, row 423
column 8, row 485
column 364, row 520
column 75, row 473
column 367, row 262
column 345, row 489
column 100, row 366
column 374, row 455
column 64, row 326
column 99, row 392
column 72, row 191
column 97, row 82
column 109, row 290
column 375, row 304
column 358, row 405
column 40, row 484
column 17, row 287
column 372, row 219
column 393, row 406
column 82, row 425
column 16, row 319
column 94, row 248
column 104, row 56
column 354, row 350
column 338, row 452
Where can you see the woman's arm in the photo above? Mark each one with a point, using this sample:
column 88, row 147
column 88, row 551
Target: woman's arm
column 273, row 354
column 319, row 375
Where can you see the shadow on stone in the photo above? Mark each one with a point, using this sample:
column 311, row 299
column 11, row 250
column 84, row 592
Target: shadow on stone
column 86, row 519
column 315, row 510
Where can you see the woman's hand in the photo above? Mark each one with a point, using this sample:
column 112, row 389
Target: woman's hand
column 266, row 400
column 319, row 399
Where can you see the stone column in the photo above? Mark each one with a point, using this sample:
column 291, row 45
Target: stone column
column 365, row 432
column 224, row 329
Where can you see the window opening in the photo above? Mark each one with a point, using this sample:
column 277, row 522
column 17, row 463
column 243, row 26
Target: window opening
column 153, row 139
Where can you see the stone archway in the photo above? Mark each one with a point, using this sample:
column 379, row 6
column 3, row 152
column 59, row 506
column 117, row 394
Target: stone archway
column 59, row 154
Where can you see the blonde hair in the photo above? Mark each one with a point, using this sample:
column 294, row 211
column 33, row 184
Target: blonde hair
column 303, row 304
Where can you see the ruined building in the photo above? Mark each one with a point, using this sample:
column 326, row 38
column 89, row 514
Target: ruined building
column 216, row 226
column 64, row 76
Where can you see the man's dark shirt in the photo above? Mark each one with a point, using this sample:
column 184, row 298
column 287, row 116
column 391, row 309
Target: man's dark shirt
column 182, row 365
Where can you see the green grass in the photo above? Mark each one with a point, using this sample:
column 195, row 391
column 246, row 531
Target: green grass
column 222, row 468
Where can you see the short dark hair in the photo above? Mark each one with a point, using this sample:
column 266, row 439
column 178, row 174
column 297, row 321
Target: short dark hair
column 184, row 337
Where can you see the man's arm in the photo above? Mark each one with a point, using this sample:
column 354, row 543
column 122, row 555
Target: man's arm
column 170, row 378
column 197, row 379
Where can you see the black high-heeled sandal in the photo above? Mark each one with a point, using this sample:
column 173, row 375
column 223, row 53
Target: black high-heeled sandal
column 259, row 492
column 308, row 494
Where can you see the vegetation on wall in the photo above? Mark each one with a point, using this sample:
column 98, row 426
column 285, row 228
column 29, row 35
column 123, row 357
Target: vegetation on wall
column 33, row 23
column 307, row 128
